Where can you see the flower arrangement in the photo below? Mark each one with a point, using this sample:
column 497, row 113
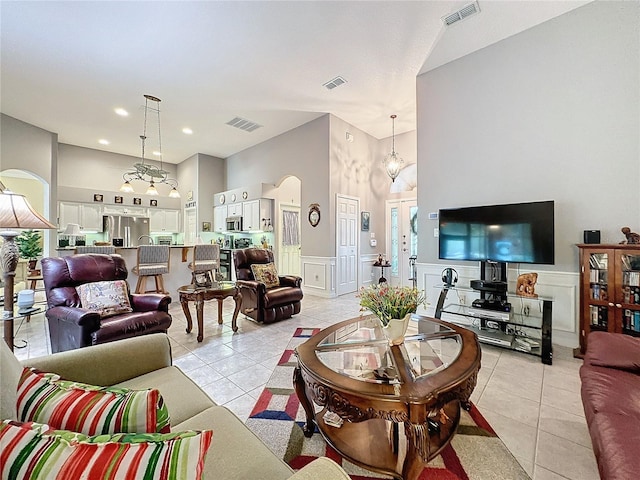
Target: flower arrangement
column 387, row 302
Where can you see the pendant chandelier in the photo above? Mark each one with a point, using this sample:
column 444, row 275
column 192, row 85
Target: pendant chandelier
column 393, row 162
column 145, row 171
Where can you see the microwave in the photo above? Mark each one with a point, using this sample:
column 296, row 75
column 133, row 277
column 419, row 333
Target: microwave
column 234, row 224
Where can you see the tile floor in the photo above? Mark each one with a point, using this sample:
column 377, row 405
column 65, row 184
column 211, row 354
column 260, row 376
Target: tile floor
column 535, row 409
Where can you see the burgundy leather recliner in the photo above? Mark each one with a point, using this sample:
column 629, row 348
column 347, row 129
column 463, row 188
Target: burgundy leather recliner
column 264, row 304
column 71, row 326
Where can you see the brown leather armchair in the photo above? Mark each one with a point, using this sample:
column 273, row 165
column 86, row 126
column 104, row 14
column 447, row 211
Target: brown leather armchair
column 71, row 326
column 259, row 302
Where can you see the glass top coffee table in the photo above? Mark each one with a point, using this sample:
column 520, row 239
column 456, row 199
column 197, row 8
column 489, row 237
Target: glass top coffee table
column 389, row 409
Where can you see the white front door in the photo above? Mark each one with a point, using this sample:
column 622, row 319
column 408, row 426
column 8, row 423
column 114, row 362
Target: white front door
column 289, row 235
column 402, row 240
column 347, row 244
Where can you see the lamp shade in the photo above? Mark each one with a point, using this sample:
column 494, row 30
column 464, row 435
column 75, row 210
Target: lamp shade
column 73, row 229
column 15, row 212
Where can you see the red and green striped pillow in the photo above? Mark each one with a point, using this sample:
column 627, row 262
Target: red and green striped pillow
column 65, row 405
column 35, row 451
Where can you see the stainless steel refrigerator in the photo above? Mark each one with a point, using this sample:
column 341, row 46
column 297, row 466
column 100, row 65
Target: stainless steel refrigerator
column 125, row 231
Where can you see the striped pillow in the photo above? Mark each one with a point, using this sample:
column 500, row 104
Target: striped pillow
column 35, row 451
column 65, row 405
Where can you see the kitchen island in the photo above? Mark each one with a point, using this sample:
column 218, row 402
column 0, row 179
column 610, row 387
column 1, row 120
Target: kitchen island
column 179, row 273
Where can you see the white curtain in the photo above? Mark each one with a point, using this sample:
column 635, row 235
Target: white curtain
column 290, row 231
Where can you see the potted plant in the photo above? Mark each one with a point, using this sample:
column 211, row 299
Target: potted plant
column 30, row 247
column 393, row 306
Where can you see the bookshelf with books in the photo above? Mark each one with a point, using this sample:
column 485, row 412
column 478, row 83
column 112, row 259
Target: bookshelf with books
column 609, row 290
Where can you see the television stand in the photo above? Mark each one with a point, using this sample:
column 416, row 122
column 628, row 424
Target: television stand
column 525, row 327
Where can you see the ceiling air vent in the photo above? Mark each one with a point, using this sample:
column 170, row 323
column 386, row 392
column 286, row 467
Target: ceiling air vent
column 461, row 14
column 336, row 82
column 244, row 124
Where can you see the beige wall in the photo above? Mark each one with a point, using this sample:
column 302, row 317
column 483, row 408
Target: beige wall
column 552, row 113
column 304, row 153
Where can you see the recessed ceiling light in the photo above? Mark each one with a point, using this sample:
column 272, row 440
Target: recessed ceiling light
column 122, row 112
column 187, row 130
column 102, row 141
column 157, row 153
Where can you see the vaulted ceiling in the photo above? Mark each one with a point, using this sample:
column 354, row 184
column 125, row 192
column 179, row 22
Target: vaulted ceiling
column 65, row 66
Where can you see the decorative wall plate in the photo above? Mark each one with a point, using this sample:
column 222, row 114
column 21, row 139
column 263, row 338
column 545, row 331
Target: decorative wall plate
column 233, row 197
column 222, row 199
column 245, row 195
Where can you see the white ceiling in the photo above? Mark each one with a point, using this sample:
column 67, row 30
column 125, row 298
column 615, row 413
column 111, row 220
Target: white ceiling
column 65, row 66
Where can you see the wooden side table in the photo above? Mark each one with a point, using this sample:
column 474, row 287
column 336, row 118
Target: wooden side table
column 191, row 293
column 382, row 267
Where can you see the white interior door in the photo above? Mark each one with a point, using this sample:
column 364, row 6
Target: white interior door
column 190, row 226
column 347, row 248
column 289, row 234
column 402, row 239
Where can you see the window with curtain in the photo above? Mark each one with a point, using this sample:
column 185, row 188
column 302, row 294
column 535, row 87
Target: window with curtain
column 290, row 231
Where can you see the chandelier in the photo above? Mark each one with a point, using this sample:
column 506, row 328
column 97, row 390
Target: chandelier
column 148, row 172
column 392, row 162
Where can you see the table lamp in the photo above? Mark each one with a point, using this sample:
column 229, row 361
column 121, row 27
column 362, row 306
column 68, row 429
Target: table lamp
column 15, row 213
column 73, row 232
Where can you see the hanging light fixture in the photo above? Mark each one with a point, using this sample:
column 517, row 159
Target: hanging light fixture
column 147, row 172
column 393, row 162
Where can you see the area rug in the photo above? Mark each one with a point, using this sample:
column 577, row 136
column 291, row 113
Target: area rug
column 475, row 453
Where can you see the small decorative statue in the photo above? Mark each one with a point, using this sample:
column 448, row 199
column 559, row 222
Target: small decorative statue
column 631, row 237
column 526, row 285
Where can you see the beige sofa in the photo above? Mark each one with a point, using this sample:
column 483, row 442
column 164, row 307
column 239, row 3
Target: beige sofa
column 143, row 362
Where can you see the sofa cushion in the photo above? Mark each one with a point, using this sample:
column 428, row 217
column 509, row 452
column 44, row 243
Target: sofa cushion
column 91, row 410
column 183, row 397
column 609, row 390
column 237, row 452
column 266, row 273
column 107, row 298
column 33, row 450
column 615, row 440
column 10, row 370
column 614, row 351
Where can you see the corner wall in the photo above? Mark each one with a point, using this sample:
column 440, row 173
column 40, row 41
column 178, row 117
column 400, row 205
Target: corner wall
column 552, row 113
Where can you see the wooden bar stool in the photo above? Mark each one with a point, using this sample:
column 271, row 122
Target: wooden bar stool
column 153, row 261
column 206, row 259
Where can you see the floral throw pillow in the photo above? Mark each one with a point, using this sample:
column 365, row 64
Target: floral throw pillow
column 106, row 298
column 65, row 405
column 266, row 273
column 34, row 450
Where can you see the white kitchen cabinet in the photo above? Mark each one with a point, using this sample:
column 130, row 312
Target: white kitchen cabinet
column 87, row 215
column 234, row 210
column 253, row 213
column 167, row 221
column 220, row 218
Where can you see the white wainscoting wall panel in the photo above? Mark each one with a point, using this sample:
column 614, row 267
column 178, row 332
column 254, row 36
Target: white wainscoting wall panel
column 318, row 276
column 367, row 270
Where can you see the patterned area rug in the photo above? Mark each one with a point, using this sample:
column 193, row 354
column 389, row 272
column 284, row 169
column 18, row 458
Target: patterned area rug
column 475, row 452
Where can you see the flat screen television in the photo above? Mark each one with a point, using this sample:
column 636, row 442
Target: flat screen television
column 511, row 233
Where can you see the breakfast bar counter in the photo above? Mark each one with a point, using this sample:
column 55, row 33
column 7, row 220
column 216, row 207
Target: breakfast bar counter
column 179, row 274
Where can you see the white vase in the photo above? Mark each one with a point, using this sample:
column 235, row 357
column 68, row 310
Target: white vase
column 395, row 330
